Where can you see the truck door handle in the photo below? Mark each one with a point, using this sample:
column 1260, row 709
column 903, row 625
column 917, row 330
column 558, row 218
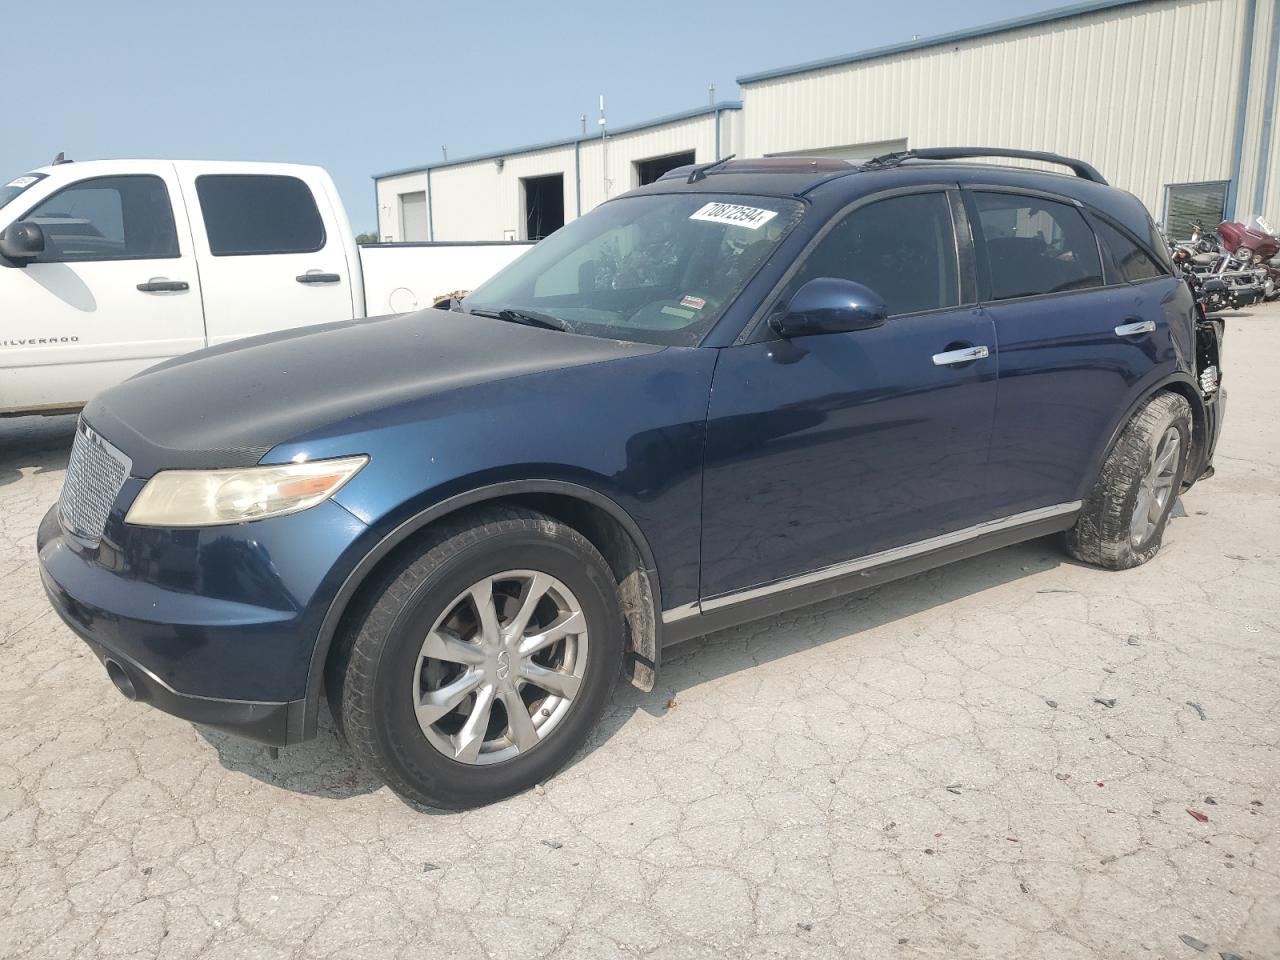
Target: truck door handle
column 952, row 357
column 1133, row 329
column 164, row 286
column 318, row 278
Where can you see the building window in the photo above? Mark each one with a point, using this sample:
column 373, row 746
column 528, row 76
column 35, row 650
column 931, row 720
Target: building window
column 1186, row 204
column 647, row 171
column 543, row 205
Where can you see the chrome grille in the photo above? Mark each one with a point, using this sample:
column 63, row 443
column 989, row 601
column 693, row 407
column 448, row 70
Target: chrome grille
column 95, row 474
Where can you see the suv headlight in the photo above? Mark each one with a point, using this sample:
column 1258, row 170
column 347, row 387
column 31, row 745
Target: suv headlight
column 205, row 498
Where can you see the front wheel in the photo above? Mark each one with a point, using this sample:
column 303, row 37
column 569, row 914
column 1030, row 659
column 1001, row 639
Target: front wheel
column 482, row 660
column 1123, row 521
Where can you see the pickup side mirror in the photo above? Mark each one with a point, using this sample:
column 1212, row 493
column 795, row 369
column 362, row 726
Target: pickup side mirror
column 21, row 241
column 830, row 305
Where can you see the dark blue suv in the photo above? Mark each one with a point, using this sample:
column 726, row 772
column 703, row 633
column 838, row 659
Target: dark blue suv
column 749, row 386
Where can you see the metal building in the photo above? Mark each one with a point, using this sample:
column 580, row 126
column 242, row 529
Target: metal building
column 1177, row 101
column 1173, row 100
column 526, row 192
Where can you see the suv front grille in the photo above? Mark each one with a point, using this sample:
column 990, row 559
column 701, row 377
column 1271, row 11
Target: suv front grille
column 95, row 474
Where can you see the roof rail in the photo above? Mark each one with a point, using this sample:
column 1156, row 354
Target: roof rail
column 1081, row 169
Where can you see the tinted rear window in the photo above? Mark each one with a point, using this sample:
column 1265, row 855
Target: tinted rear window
column 1035, row 246
column 251, row 214
column 1130, row 261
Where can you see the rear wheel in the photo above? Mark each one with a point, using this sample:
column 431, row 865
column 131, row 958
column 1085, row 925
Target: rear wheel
column 1122, row 523
column 481, row 662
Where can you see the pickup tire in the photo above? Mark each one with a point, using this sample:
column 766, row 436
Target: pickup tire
column 1122, row 522
column 481, row 658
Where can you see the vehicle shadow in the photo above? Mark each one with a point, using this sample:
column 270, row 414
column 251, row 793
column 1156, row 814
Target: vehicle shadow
column 325, row 767
column 708, row 658
column 40, row 444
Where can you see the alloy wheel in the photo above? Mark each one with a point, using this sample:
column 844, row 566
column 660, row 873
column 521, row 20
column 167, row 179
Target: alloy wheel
column 500, row 668
column 1156, row 488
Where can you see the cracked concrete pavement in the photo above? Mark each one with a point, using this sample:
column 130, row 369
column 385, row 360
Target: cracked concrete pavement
column 932, row 769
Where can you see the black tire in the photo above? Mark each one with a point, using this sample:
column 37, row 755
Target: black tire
column 1102, row 533
column 368, row 678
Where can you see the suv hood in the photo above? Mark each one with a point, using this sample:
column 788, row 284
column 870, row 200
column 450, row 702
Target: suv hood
column 227, row 406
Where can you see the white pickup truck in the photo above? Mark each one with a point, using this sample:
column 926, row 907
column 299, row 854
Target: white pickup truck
column 110, row 266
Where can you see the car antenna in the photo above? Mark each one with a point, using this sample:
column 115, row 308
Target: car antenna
column 61, row 158
column 700, row 173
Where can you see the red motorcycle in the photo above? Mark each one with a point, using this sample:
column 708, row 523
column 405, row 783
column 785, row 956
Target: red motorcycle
column 1256, row 247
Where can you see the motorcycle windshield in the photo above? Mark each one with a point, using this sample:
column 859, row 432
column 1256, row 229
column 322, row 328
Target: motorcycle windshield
column 1263, row 224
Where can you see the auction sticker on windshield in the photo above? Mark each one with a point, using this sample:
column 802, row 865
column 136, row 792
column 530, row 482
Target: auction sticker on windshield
column 22, row 182
column 753, row 218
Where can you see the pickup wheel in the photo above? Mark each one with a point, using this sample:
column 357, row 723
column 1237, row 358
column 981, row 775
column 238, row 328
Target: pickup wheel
column 1123, row 521
column 479, row 663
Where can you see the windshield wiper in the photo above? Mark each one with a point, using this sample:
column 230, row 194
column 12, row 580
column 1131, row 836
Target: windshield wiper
column 530, row 318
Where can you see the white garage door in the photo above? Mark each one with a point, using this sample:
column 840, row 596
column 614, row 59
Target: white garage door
column 413, row 216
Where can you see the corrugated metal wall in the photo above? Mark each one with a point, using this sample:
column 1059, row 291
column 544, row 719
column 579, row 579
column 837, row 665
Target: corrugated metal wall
column 1150, row 93
column 479, row 201
column 1259, row 189
column 621, row 153
column 482, row 201
column 1147, row 93
column 389, row 190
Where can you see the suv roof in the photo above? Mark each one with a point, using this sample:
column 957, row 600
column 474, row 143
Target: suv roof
column 839, row 181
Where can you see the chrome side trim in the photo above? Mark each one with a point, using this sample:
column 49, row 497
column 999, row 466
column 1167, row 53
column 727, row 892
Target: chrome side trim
column 892, row 555
column 682, row 612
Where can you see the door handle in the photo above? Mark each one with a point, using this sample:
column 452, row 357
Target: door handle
column 164, row 286
column 952, row 357
column 1133, row 329
column 318, row 278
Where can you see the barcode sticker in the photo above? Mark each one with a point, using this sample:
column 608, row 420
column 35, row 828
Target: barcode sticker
column 753, row 218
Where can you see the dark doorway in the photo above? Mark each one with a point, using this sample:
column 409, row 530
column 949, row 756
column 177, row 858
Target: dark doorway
column 650, row 170
column 543, row 205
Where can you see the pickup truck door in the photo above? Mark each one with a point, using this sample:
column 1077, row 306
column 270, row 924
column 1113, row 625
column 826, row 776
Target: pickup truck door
column 272, row 248
column 831, row 448
column 115, row 291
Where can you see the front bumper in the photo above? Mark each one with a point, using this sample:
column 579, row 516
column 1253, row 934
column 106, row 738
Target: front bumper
column 215, row 625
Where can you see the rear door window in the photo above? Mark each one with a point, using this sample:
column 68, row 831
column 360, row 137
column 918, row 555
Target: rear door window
column 251, row 214
column 903, row 248
column 1034, row 246
column 1128, row 260
column 107, row 218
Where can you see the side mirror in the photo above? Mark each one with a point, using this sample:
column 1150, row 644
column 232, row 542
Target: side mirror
column 21, row 241
column 830, row 305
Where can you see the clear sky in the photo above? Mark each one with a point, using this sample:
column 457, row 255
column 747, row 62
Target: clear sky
column 362, row 87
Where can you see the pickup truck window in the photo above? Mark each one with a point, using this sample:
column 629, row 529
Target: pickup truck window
column 107, row 218
column 251, row 214
column 655, row 268
column 14, row 187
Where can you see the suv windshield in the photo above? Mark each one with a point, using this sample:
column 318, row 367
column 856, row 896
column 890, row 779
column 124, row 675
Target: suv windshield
column 14, row 187
column 657, row 268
